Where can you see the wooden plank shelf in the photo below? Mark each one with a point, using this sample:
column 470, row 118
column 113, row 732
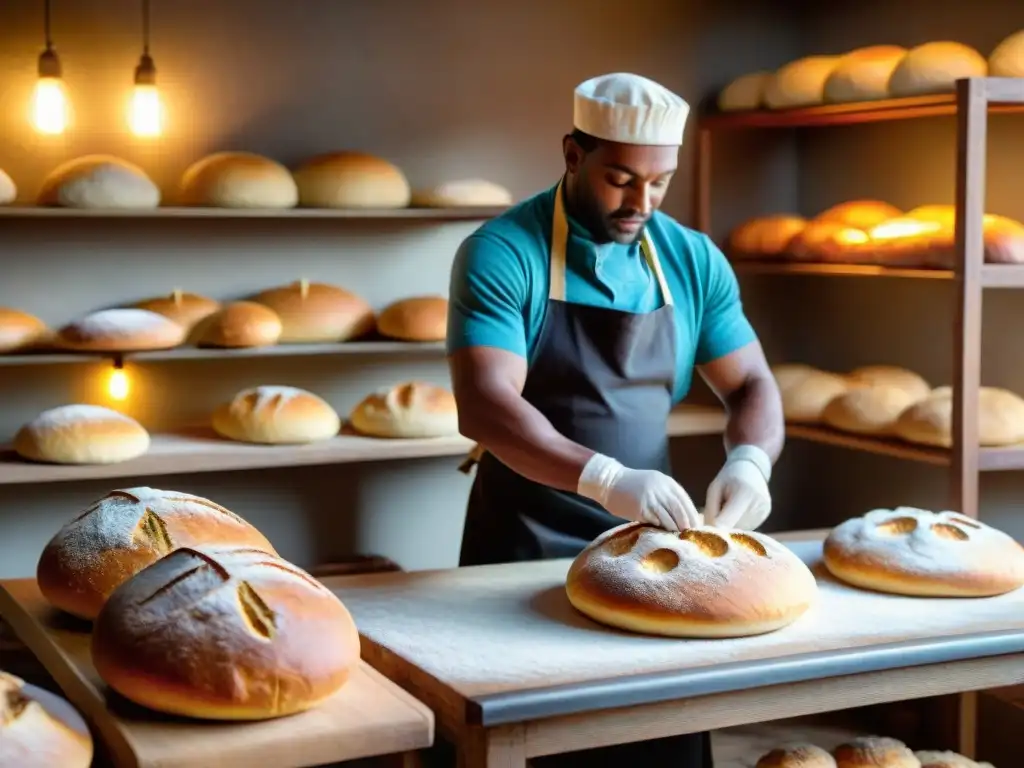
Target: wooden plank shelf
column 466, row 213
column 835, row 270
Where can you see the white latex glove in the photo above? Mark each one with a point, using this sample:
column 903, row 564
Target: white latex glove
column 738, row 497
column 639, row 495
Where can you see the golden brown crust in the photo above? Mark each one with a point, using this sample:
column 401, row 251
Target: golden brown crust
column 409, row 410
column 860, row 214
column 916, row 387
column 934, row 67
column 874, row 752
column 237, row 180
column 930, row 421
column 225, row 633
column 800, row 83
column 863, row 74
column 351, row 180
column 317, row 312
column 746, row 92
column 185, row 309
column 81, row 434
column 121, row 534
column 39, row 729
column 797, row 756
column 120, row 330
column 867, row 410
column 805, row 399
column 240, row 324
column 20, row 331
column 764, row 237
column 418, row 318
column 276, row 415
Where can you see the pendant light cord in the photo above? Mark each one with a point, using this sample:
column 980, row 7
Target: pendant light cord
column 46, row 25
column 145, row 27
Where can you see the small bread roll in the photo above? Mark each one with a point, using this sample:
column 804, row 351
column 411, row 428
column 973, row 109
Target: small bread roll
column 910, row 551
column 123, row 532
column 120, row 330
column 351, row 180
column 860, row 214
column 39, row 729
column 20, row 331
column 746, row 92
column 800, row 83
column 225, row 633
column 804, row 401
column 797, row 756
column 410, row 410
column 916, row 387
column 238, row 180
column 867, row 410
column 947, row 760
column 934, row 68
column 863, row 74
column 419, row 318
column 874, row 752
column 317, row 313
column 462, row 192
column 276, row 415
column 930, row 421
column 1007, row 58
column 185, row 309
column 81, row 434
column 99, row 181
column 764, row 237
column 239, row 324
column 8, row 189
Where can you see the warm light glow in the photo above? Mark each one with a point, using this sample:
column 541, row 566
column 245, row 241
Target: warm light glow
column 117, row 384
column 145, row 113
column 851, row 236
column 50, row 106
column 903, row 227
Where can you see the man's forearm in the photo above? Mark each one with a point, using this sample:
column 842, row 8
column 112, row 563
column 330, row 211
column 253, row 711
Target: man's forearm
column 755, row 417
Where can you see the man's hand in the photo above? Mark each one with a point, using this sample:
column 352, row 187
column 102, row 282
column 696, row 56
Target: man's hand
column 639, row 495
column 739, row 497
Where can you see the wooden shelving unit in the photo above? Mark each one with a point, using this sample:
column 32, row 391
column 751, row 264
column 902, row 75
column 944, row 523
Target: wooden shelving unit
column 466, row 213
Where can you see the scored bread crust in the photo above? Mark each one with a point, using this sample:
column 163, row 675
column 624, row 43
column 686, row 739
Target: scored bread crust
column 81, row 434
column 703, row 582
column 414, row 409
column 276, row 415
column 317, row 312
column 38, row 732
column 225, row 633
column 417, row 318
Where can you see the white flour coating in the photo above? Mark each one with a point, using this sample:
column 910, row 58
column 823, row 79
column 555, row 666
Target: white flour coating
column 113, row 323
column 265, row 394
column 500, row 633
column 64, row 416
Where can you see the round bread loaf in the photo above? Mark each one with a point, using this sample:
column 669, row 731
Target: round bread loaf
column 351, row 180
column 239, row 324
column 238, row 180
column 462, row 192
column 410, row 410
column 930, row 421
column 1007, row 58
column 891, row 376
column 804, row 401
column 702, row 582
column 418, row 318
column 797, row 756
column 746, row 92
column 276, row 415
column 99, row 181
column 39, row 729
column 120, row 534
column 934, row 68
column 185, row 309
column 81, row 434
column 947, row 760
column 225, row 633
column 831, row 241
column 317, row 313
column 863, row 74
column 766, row 237
column 860, row 214
column 800, row 83
column 867, row 410
column 874, row 752
column 20, row 331
column 120, row 330
column 8, row 189
column 910, row 551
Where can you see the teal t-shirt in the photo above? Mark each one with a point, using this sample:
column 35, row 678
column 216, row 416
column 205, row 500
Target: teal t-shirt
column 500, row 278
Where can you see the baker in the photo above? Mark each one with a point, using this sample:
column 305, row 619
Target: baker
column 576, row 320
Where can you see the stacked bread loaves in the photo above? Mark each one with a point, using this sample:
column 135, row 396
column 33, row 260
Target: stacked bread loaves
column 276, row 415
column 317, row 312
column 39, row 729
column 413, row 409
column 863, row 752
column 81, row 434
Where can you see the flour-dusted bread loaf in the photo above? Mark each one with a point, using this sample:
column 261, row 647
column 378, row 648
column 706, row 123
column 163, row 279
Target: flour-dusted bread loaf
column 276, row 415
column 863, row 74
column 462, row 192
column 239, row 324
column 20, row 331
column 744, row 93
column 39, row 729
column 313, row 313
column 930, row 421
column 225, row 633
column 800, row 83
column 8, row 189
column 417, row 318
column 910, row 551
column 702, row 582
column 81, row 434
column 867, row 410
column 860, row 214
column 764, row 237
column 237, row 180
column 185, row 309
column 915, row 385
column 1007, row 58
column 120, row 330
column 797, row 756
column 874, row 752
column 409, row 410
column 947, row 759
column 99, row 181
column 351, row 180
column 123, row 532
column 934, row 68
column 804, row 400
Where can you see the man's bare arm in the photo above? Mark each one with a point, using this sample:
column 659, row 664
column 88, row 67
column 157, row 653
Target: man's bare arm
column 488, row 385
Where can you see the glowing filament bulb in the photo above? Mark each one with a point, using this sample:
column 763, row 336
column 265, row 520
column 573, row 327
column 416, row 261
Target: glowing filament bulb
column 145, row 113
column 117, row 384
column 50, row 106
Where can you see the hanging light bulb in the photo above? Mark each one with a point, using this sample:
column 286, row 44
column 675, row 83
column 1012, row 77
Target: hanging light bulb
column 145, row 112
column 50, row 100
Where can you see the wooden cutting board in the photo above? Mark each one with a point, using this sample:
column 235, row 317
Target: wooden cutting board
column 370, row 716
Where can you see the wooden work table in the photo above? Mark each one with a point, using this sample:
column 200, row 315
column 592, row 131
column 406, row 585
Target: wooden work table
column 513, row 672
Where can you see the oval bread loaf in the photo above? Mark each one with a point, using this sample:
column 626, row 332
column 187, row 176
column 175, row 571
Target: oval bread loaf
column 120, row 330
column 764, row 237
column 934, row 68
column 867, row 410
column 276, row 415
column 237, row 180
column 8, row 189
column 797, row 756
column 860, row 214
column 99, row 181
column 39, row 729
column 20, row 331
column 418, row 318
column 314, row 313
column 1007, row 58
column 804, row 401
column 930, row 421
column 410, row 410
column 800, row 83
column 746, row 92
column 863, row 74
column 239, row 324
column 462, row 192
column 873, row 752
column 915, row 385
column 351, row 180
column 185, row 309
column 947, row 760
column 81, row 434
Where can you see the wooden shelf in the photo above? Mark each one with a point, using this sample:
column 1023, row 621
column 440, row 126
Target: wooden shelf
column 744, row 267
column 467, row 213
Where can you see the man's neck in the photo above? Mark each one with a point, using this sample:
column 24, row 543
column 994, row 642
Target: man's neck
column 572, row 212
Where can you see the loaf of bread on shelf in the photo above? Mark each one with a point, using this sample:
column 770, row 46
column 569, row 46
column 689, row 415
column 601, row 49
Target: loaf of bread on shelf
column 913, row 383
column 934, row 68
column 830, row 241
column 867, row 410
column 276, row 415
column 1003, row 237
column 417, row 318
column 860, row 214
column 874, row 752
column 225, row 633
column 703, row 582
column 313, row 313
column 800, row 83
column 20, row 331
column 764, row 237
column 930, row 421
column 81, row 434
column 461, row 192
column 409, row 410
column 1007, row 58
column 947, row 759
column 904, row 241
column 796, row 756
column 98, row 181
column 185, row 309
column 123, row 532
column 863, row 74
column 237, row 180
column 8, row 189
column 239, row 324
column 351, row 180
column 806, row 393
column 39, row 729
column 744, row 93
column 911, row 551
column 120, row 330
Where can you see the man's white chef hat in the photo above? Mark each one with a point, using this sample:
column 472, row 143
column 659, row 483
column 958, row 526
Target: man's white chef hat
column 629, row 109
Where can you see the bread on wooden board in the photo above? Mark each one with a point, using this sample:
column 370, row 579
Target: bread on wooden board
column 764, row 237
column 276, row 415
column 799, row 83
column 934, row 68
column 8, row 189
column 317, row 313
column 1007, row 58
column 237, row 180
column 874, row 752
column 796, row 756
column 120, row 330
column 98, row 181
column 863, row 74
column 123, row 532
column 185, row 309
column 929, row 421
column 225, row 633
column 702, row 582
column 461, row 192
column 412, row 409
column 239, row 324
column 40, row 729
column 81, row 434
column 351, row 180
column 746, row 92
column 417, row 318
column 20, row 331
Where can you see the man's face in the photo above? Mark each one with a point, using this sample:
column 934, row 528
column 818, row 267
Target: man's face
column 619, row 186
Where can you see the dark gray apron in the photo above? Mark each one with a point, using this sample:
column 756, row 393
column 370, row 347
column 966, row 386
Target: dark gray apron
column 604, row 378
